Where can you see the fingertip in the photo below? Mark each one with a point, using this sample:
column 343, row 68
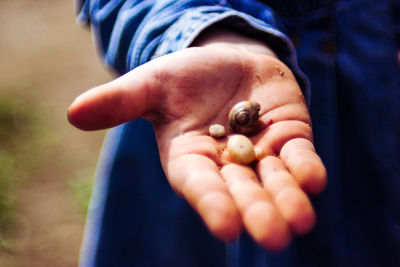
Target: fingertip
column 75, row 115
column 267, row 227
column 290, row 199
column 305, row 165
column 102, row 107
column 111, row 104
column 220, row 216
column 81, row 116
column 311, row 174
column 296, row 209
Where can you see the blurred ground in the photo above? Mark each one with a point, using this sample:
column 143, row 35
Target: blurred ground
column 47, row 166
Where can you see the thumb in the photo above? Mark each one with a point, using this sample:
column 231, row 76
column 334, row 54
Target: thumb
column 121, row 100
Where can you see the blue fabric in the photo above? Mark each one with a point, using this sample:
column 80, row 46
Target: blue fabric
column 348, row 50
column 130, row 33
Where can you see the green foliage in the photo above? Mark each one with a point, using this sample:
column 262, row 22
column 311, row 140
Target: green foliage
column 6, row 197
column 19, row 135
column 82, row 188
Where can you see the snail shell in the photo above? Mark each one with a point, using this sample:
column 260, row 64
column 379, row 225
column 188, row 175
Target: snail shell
column 259, row 153
column 243, row 117
column 217, row 130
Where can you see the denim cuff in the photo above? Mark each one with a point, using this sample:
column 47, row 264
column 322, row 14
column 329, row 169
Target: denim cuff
column 189, row 26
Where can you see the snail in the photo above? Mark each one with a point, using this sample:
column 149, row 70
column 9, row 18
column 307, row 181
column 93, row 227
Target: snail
column 243, row 117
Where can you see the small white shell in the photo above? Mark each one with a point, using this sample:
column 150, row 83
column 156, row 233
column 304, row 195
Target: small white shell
column 241, row 149
column 259, row 153
column 217, row 130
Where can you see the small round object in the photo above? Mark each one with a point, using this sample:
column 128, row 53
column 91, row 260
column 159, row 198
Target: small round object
column 241, row 149
column 259, row 153
column 217, row 130
column 243, row 117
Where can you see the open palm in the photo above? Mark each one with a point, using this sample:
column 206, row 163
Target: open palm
column 184, row 93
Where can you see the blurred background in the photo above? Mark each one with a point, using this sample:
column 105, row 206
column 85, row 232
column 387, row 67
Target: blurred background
column 46, row 166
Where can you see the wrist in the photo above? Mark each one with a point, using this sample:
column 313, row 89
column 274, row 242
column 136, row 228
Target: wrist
column 221, row 37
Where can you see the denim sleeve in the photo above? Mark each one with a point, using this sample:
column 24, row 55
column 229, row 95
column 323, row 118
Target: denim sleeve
column 129, row 33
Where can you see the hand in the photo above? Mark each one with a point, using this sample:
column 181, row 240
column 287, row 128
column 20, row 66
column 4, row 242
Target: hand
column 185, row 92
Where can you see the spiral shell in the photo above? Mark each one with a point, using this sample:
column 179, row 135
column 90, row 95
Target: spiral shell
column 243, row 117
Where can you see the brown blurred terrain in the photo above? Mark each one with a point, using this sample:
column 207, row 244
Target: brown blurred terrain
column 46, row 166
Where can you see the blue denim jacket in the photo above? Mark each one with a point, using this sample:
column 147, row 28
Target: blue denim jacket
column 348, row 50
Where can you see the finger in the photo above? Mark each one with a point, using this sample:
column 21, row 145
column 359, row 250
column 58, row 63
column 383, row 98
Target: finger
column 171, row 148
column 292, row 202
column 279, row 133
column 305, row 165
column 116, row 102
column 197, row 179
column 260, row 216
